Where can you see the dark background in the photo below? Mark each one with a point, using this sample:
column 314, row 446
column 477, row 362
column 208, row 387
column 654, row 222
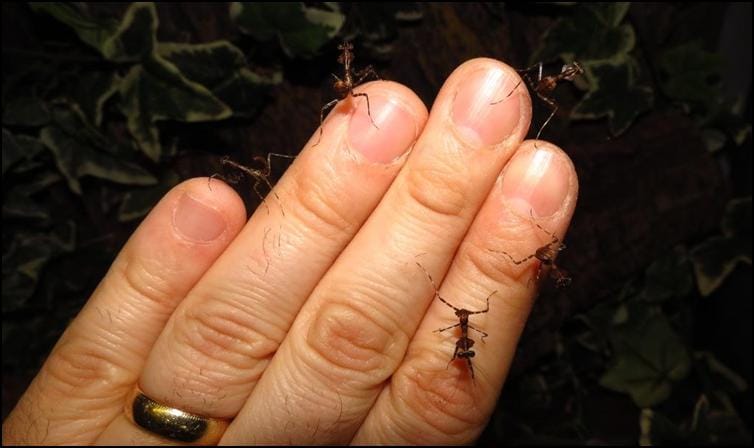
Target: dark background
column 651, row 202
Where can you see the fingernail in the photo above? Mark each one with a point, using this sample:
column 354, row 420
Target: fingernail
column 480, row 121
column 393, row 134
column 536, row 181
column 196, row 221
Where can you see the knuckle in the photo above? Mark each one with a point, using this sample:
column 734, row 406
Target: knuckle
column 438, row 188
column 140, row 278
column 434, row 399
column 81, row 364
column 495, row 266
column 355, row 340
column 323, row 206
column 515, row 281
column 226, row 333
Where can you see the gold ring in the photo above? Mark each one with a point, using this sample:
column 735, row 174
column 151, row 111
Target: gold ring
column 173, row 423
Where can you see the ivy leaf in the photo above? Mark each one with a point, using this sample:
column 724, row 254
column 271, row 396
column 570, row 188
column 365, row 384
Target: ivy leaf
column 18, row 154
column 12, row 151
column 301, row 30
column 717, row 377
column 40, row 181
column 245, row 91
column 157, row 90
column 648, row 356
column 19, row 151
column 75, row 159
column 137, row 203
column 668, row 277
column 25, row 109
column 93, row 89
column 18, row 205
column 208, row 64
column 614, row 94
column 128, row 41
column 25, row 259
column 594, row 32
column 717, row 257
column 714, row 139
column 222, row 68
column 135, row 37
column 71, row 119
column 658, row 430
column 378, row 23
column 91, row 31
column 689, row 73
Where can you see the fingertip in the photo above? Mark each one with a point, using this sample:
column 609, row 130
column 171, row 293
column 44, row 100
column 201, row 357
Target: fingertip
column 205, row 209
column 194, row 214
column 540, row 179
column 483, row 104
column 384, row 130
column 401, row 93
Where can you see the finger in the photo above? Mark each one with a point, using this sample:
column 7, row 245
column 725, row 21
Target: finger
column 429, row 401
column 353, row 330
column 82, row 385
column 221, row 338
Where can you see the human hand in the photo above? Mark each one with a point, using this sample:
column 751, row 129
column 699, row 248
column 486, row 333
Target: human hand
column 316, row 326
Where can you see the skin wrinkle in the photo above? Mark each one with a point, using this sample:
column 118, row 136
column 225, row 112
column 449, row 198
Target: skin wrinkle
column 376, row 295
column 223, row 341
column 136, row 279
column 341, row 333
column 436, row 186
column 306, row 400
column 488, row 266
column 244, row 298
column 414, row 382
column 314, row 191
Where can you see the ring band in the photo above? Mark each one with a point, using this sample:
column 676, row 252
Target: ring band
column 173, row 423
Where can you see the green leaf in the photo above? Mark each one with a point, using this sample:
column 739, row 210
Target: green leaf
column 25, row 259
column 135, row 37
column 72, row 120
column 594, row 32
column 157, row 90
column 91, row 31
column 92, row 92
column 717, row 257
column 378, row 24
column 714, row 140
column 137, row 203
column 207, row 64
column 737, row 221
column 12, row 151
column 18, row 156
column 245, row 91
column 75, row 159
column 614, row 94
column 301, row 30
column 130, row 40
column 19, row 151
column 222, row 68
column 648, row 357
column 16, row 204
column 716, row 375
column 723, row 123
column 659, row 430
column 691, row 74
column 25, row 110
column 667, row 277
